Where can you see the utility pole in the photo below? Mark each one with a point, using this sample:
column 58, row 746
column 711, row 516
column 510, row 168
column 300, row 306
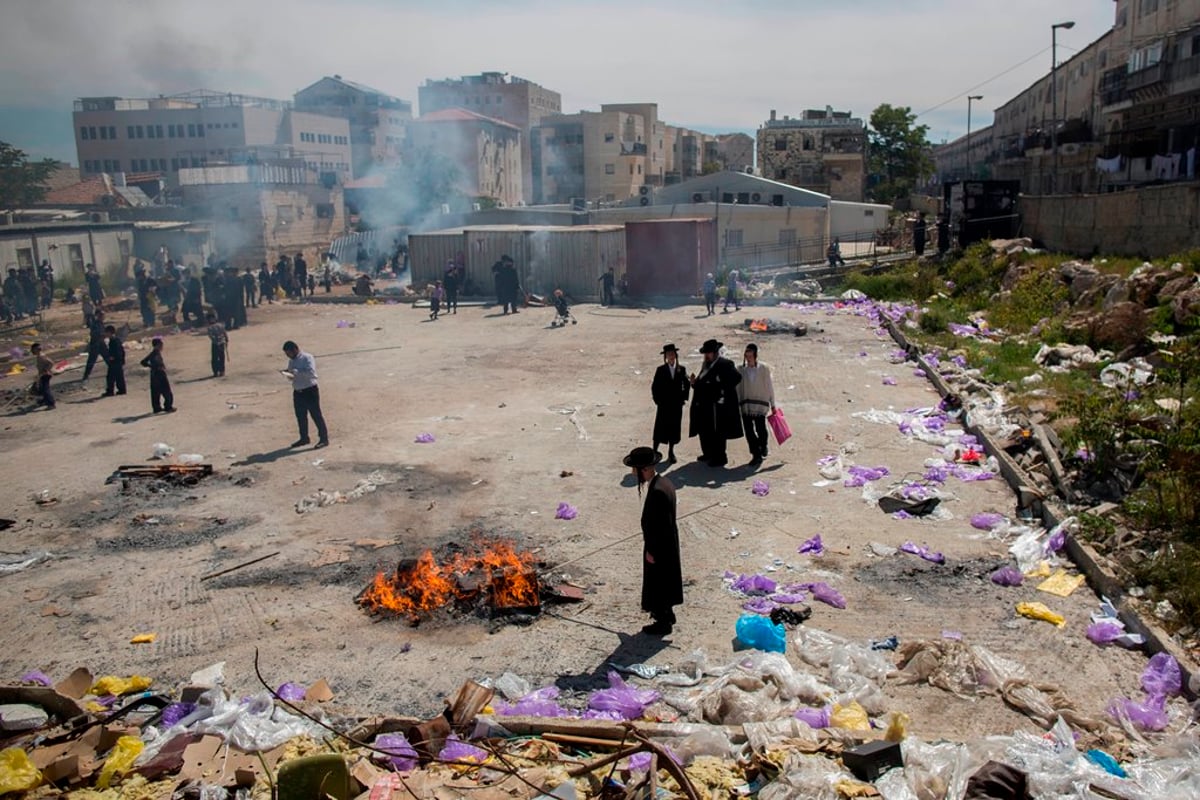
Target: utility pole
column 1054, row 98
column 970, row 97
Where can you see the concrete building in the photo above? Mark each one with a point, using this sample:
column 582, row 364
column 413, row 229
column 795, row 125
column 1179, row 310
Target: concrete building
column 258, row 211
column 487, row 151
column 378, row 121
column 951, row 162
column 732, row 151
column 600, row 156
column 167, row 134
column 825, row 151
column 499, row 96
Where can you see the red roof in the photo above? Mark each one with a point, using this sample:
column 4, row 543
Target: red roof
column 462, row 115
column 85, row 193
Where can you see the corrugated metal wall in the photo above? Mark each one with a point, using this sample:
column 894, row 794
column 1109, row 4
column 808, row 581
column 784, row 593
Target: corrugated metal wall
column 669, row 257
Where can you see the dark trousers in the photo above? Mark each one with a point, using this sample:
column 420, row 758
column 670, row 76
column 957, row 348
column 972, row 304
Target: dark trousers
column 114, row 381
column 218, row 359
column 308, row 402
column 147, row 316
column 756, row 435
column 710, row 302
column 452, row 301
column 161, row 398
column 93, row 356
column 44, row 395
column 732, row 297
column 712, row 448
column 250, row 298
column 606, row 297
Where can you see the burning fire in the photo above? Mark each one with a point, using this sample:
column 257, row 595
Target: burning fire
column 496, row 572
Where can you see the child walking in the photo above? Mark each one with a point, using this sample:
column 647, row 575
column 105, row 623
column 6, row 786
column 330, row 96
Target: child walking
column 161, row 398
column 435, row 299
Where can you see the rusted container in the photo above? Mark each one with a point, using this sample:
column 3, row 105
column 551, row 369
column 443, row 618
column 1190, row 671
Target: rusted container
column 670, row 257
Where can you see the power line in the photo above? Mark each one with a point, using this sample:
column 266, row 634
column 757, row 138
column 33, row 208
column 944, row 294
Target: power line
column 966, row 92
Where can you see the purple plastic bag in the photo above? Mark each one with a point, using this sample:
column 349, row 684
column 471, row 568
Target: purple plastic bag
column 1008, row 575
column 402, row 756
column 424, row 438
column 761, row 488
column 292, row 692
column 622, row 698
column 888, row 380
column 1056, row 541
column 753, row 584
column 760, row 605
column 175, row 712
column 1150, row 715
column 1104, row 632
column 826, row 594
column 538, row 703
column 1162, row 677
column 813, row 546
column 860, row 475
column 566, row 511
column 788, row 598
column 457, row 750
column 36, row 676
column 986, row 520
column 814, row 717
column 924, row 552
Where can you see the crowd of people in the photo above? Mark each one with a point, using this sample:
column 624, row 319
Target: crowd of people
column 25, row 291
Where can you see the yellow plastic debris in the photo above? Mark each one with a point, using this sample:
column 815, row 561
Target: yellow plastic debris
column 16, row 369
column 120, row 760
column 852, row 717
column 144, row 638
column 1040, row 611
column 897, row 727
column 17, row 772
column 1042, row 571
column 1061, row 584
column 111, row 684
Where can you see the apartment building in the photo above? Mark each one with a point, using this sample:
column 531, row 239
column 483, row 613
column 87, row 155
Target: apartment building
column 486, row 151
column 378, row 121
column 196, row 129
column 499, row 96
column 601, row 156
column 821, row 150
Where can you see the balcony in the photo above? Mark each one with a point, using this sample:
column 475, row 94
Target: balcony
column 633, row 148
column 1149, row 80
column 1185, row 75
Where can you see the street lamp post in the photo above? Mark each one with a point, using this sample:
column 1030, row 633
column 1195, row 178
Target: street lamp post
column 1054, row 98
column 970, row 97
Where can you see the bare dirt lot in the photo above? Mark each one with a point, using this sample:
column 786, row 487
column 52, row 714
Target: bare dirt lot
column 512, row 404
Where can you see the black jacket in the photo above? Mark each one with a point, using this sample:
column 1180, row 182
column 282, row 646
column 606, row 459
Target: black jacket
column 670, row 393
column 662, row 581
column 715, row 403
column 116, row 353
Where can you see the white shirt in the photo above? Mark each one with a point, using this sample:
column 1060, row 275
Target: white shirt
column 304, row 371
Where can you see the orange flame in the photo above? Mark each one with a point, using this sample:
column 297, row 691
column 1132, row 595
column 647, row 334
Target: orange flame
column 758, row 325
column 507, row 576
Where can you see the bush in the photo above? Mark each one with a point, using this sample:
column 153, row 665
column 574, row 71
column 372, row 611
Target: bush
column 976, row 275
column 934, row 320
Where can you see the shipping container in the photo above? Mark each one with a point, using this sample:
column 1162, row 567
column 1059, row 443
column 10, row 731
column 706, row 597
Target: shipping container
column 429, row 252
column 669, row 258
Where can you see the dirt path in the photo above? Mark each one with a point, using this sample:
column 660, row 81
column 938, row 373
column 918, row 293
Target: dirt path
column 512, row 404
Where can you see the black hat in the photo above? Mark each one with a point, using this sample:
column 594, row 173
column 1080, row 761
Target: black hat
column 669, row 348
column 711, row 346
column 642, row 457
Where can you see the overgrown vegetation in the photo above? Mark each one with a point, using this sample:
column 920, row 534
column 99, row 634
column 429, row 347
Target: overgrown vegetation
column 1138, row 444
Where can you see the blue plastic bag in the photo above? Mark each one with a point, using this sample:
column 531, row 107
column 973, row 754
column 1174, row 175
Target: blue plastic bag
column 761, row 634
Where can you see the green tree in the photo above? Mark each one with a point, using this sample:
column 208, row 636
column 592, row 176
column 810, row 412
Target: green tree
column 899, row 151
column 711, row 167
column 22, row 183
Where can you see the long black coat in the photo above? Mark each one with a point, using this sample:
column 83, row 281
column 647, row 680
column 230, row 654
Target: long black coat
column 715, row 402
column 662, row 581
column 669, row 393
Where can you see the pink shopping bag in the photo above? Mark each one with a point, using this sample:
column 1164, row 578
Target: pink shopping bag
column 779, row 426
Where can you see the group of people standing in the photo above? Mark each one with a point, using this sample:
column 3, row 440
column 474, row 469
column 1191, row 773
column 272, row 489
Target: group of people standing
column 508, row 283
column 24, row 291
column 726, row 401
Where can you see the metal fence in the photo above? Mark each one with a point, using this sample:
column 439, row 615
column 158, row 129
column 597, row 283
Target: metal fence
column 814, row 250
column 345, row 248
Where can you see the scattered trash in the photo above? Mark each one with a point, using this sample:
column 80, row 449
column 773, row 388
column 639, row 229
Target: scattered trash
column 190, row 459
column 424, row 438
column 622, row 699
column 924, row 552
column 761, row 633
column 144, row 638
column 761, row 488
column 1008, row 575
column 566, row 511
column 1061, row 584
column 162, row 450
column 812, row 546
column 890, row 643
column 1041, row 612
column 790, row 617
column 10, row 564
column 646, row 671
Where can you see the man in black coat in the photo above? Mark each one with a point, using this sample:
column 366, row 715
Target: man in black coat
column 662, row 573
column 669, row 389
column 114, row 381
column 715, row 417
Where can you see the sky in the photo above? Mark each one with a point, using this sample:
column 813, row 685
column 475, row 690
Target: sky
column 714, row 67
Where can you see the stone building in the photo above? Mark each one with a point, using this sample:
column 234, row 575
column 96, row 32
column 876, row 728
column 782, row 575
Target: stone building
column 601, row 156
column 378, row 121
column 824, row 151
column 187, row 131
column 487, row 151
column 499, row 96
column 259, row 211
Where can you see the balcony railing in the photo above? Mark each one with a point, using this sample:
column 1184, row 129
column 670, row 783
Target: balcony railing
column 1147, row 76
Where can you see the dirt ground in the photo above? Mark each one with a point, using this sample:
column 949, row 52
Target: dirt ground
column 512, row 404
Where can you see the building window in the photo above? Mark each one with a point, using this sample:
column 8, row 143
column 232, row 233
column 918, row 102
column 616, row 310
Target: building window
column 25, row 257
column 103, row 132
column 92, row 132
column 733, row 238
column 191, row 130
column 158, row 132
column 781, row 174
column 75, row 256
column 200, row 131
column 609, row 198
column 868, row 212
column 780, row 143
column 608, row 137
column 83, row 132
column 285, row 214
column 233, row 125
column 631, row 168
column 195, row 162
column 129, row 131
column 112, row 132
column 610, row 169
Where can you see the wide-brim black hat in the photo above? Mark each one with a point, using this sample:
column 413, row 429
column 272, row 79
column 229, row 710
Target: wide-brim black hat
column 642, row 457
column 669, row 348
column 711, row 346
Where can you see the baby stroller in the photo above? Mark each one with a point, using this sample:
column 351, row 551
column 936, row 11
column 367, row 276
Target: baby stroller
column 564, row 311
